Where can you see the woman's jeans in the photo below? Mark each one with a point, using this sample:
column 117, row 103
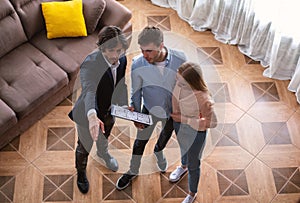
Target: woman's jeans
column 191, row 143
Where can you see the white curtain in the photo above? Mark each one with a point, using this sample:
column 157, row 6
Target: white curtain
column 265, row 30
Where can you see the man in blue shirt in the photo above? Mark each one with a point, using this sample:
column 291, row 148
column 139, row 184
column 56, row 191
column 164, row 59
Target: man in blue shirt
column 153, row 79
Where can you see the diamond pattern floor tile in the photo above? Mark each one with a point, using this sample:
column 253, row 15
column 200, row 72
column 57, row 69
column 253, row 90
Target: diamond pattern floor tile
column 58, row 188
column 174, row 190
column 109, row 189
column 162, row 22
column 209, row 55
column 7, row 185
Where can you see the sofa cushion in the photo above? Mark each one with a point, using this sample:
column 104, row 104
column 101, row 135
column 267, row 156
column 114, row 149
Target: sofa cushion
column 68, row 53
column 92, row 11
column 27, row 78
column 8, row 117
column 115, row 14
column 30, row 13
column 64, row 19
column 12, row 33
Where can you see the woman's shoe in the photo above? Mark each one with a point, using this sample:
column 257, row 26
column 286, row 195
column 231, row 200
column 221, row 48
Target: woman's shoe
column 177, row 174
column 189, row 199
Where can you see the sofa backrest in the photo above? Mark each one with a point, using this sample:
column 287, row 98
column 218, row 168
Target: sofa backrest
column 30, row 13
column 11, row 33
column 31, row 16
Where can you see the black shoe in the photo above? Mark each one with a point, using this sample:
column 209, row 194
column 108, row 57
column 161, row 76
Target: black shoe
column 162, row 162
column 110, row 162
column 82, row 182
column 124, row 181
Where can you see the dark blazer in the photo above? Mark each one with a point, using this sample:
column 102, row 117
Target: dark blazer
column 98, row 90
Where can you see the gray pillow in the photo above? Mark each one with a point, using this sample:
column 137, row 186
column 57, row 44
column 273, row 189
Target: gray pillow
column 92, row 11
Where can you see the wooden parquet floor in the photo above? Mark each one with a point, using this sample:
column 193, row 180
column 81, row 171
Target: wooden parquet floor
column 253, row 156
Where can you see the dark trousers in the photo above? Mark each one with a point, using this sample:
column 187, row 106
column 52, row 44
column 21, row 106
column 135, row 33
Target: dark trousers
column 143, row 137
column 85, row 142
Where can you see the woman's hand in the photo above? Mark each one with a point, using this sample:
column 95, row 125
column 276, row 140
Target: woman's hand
column 197, row 124
column 176, row 117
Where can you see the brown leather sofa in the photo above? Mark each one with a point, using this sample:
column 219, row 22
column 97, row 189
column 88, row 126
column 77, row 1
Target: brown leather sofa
column 36, row 73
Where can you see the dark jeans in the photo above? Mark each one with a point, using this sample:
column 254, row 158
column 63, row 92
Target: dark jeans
column 143, row 137
column 85, row 142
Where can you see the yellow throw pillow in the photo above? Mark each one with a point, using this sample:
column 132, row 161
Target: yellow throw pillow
column 64, row 19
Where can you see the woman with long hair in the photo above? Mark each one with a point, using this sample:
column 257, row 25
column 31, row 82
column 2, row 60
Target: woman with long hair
column 193, row 114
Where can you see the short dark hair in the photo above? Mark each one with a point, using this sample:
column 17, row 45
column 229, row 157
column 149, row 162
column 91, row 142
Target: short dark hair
column 150, row 34
column 110, row 36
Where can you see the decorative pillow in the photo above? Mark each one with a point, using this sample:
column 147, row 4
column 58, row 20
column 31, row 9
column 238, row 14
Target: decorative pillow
column 64, row 19
column 92, row 11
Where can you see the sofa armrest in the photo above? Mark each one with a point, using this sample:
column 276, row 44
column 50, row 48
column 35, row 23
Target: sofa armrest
column 115, row 14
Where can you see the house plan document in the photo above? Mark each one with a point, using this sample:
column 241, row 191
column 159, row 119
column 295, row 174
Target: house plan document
column 124, row 113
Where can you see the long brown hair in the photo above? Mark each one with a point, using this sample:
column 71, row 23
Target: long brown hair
column 192, row 74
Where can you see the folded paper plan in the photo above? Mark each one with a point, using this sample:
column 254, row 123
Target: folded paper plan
column 124, row 113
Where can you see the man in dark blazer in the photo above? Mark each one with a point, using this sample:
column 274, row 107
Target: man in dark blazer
column 102, row 77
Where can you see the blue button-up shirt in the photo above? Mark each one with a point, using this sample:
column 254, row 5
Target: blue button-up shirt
column 151, row 88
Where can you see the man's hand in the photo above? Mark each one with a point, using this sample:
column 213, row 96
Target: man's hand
column 94, row 124
column 130, row 108
column 139, row 125
column 136, row 124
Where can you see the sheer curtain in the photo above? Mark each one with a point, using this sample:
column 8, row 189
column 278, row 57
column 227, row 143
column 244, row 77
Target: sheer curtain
column 265, row 30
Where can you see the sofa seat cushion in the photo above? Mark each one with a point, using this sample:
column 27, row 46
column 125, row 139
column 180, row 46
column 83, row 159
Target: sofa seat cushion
column 28, row 78
column 8, row 118
column 68, row 53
